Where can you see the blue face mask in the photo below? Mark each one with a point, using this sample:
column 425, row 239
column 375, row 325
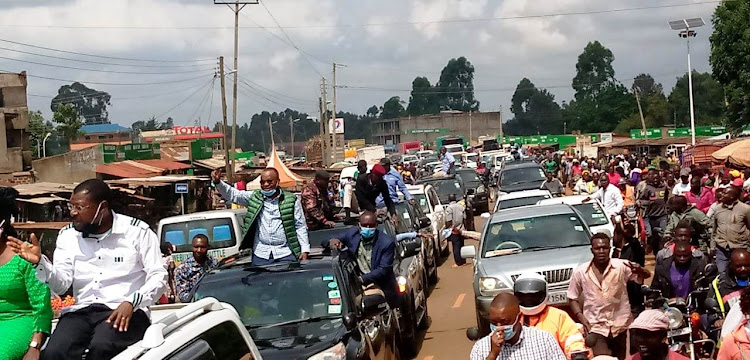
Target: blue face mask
column 509, row 331
column 367, row 232
column 268, row 193
column 742, row 282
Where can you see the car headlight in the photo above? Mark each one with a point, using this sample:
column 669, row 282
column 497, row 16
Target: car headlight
column 481, row 189
column 337, row 352
column 489, row 286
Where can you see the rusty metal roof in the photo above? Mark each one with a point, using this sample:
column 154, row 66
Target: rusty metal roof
column 140, row 168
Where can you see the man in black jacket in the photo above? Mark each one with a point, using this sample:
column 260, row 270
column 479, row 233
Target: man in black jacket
column 675, row 276
column 369, row 186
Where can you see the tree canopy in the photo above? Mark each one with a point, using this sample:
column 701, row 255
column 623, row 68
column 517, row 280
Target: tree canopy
column 536, row 111
column 90, row 104
column 708, row 100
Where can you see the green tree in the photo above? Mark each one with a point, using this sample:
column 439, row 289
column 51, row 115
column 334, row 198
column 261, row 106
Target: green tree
column 423, row 98
column 594, row 71
column 373, row 111
column 708, row 100
column 730, row 51
column 89, row 103
column 647, row 86
column 68, row 122
column 455, row 89
column 656, row 109
column 393, row 108
column 536, row 111
column 38, row 129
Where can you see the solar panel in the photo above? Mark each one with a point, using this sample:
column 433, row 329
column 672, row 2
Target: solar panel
column 677, row 25
column 695, row 22
column 686, row 23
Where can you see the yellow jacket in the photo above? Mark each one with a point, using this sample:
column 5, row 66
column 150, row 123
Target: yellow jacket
column 562, row 327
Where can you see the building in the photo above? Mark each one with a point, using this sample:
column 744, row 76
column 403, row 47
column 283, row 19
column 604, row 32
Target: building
column 427, row 128
column 91, row 135
column 15, row 146
column 180, row 133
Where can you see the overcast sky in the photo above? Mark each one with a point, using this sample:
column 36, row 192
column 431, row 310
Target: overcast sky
column 384, row 44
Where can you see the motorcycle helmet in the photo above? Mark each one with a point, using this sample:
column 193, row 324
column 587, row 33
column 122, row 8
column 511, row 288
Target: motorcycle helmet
column 531, row 291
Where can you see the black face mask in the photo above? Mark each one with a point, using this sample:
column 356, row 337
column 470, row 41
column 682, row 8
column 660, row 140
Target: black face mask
column 91, row 228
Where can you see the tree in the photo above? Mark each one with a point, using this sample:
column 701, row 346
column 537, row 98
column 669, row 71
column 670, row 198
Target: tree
column 373, row 111
column 656, row 109
column 594, row 71
column 38, row 129
column 68, row 122
column 708, row 100
column 393, row 108
column 89, row 103
column 423, row 98
column 455, row 89
column 536, row 111
column 647, row 86
column 730, row 49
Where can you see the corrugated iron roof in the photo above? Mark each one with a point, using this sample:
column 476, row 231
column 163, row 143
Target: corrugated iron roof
column 102, row 128
column 74, row 147
column 175, row 153
column 140, row 168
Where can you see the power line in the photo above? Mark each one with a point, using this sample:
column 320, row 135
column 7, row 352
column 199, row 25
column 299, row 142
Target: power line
column 103, row 93
column 444, row 21
column 97, row 70
column 186, row 99
column 278, row 94
column 290, row 39
column 285, row 41
column 103, row 56
column 108, row 83
column 102, row 63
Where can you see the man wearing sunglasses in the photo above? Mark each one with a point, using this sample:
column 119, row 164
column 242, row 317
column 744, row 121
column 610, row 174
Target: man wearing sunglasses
column 509, row 339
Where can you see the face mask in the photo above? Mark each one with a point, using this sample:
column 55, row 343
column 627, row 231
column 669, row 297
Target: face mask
column 367, row 232
column 509, row 331
column 268, row 193
column 743, row 282
column 90, row 228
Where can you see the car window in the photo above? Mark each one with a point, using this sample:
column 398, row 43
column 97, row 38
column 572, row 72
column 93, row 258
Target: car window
column 223, row 341
column 447, row 187
column 528, row 234
column 422, row 202
column 433, row 197
column 406, row 222
column 521, row 175
column 592, row 214
column 512, row 203
column 219, row 232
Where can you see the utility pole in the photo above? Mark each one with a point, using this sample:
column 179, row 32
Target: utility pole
column 471, row 135
column 640, row 111
column 236, row 9
column 291, row 133
column 224, row 120
column 325, row 120
column 335, row 135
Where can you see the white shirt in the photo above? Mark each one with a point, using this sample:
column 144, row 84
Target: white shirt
column 680, row 188
column 124, row 264
column 270, row 238
column 611, row 199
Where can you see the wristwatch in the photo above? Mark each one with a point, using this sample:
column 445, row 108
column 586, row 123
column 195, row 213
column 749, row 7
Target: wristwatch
column 35, row 344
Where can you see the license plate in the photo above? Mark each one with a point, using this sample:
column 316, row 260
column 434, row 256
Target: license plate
column 557, row 298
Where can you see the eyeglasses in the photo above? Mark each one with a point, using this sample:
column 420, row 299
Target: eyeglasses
column 77, row 208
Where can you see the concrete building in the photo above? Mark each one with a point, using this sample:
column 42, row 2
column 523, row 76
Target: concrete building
column 92, row 135
column 15, row 147
column 426, row 128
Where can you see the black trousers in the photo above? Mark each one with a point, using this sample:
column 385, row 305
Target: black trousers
column 87, row 328
column 458, row 243
column 611, row 346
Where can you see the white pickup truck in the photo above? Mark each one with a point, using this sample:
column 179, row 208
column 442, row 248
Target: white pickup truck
column 205, row 329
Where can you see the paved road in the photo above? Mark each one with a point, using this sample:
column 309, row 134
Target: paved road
column 451, row 307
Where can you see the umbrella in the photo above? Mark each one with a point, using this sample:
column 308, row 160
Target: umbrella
column 736, row 153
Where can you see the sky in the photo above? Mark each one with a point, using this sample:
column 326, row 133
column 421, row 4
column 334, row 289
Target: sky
column 287, row 46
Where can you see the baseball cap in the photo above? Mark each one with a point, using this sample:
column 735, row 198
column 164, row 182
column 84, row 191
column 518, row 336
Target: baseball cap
column 651, row 320
column 685, row 172
column 378, row 170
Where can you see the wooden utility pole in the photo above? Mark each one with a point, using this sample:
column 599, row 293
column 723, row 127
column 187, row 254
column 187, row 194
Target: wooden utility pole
column 291, row 133
column 224, row 119
column 325, row 121
column 640, row 111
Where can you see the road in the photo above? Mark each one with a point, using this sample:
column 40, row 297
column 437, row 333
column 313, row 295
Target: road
column 451, row 307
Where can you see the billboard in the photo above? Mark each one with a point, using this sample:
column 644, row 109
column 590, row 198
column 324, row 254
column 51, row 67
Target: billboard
column 336, row 125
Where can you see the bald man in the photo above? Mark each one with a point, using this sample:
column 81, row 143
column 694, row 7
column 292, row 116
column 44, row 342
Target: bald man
column 728, row 285
column 274, row 226
column 507, row 331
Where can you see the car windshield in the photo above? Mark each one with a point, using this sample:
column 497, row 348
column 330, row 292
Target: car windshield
column 534, row 233
column 512, row 203
column 447, row 187
column 592, row 214
column 265, row 298
column 521, row 175
column 219, row 232
column 422, row 201
column 469, row 177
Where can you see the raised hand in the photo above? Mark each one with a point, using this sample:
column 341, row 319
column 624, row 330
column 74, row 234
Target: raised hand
column 29, row 251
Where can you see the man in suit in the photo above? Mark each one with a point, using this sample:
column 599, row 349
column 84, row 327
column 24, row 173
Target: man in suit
column 373, row 251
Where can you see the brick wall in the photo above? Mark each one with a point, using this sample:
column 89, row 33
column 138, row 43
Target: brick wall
column 17, row 178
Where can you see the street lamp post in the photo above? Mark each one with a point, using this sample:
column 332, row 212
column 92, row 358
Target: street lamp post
column 44, row 144
column 685, row 27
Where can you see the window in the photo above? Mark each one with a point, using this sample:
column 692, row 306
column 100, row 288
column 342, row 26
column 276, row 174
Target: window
column 88, row 137
column 434, row 200
column 102, row 137
column 220, row 342
column 219, row 232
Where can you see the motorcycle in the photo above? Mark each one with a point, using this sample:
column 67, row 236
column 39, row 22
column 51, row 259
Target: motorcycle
column 685, row 335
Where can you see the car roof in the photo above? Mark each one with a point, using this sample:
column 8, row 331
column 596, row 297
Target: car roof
column 524, row 194
column 213, row 214
column 570, row 200
column 525, row 212
column 416, row 189
column 516, row 164
column 242, row 264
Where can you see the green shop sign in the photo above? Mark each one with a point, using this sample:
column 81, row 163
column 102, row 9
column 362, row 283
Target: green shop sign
column 651, row 133
column 428, row 131
column 712, row 130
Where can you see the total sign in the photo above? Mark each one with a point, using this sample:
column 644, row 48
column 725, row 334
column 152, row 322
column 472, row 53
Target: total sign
column 336, row 126
column 190, row 130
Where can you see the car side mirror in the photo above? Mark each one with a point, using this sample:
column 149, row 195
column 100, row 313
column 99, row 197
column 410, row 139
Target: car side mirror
column 468, row 252
column 485, row 215
column 350, row 321
column 424, row 222
column 439, row 208
column 470, row 191
column 372, row 304
column 409, row 248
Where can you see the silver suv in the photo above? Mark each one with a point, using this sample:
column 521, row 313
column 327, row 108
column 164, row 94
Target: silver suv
column 550, row 240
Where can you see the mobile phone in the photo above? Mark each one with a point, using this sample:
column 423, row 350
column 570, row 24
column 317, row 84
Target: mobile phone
column 579, row 355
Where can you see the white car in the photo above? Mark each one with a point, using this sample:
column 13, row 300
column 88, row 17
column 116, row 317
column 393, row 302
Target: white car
column 409, row 159
column 427, row 199
column 521, row 198
column 424, row 153
column 592, row 212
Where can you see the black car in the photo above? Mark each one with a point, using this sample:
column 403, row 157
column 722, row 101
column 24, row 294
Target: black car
column 520, row 176
column 445, row 186
column 314, row 309
column 475, row 189
column 412, row 218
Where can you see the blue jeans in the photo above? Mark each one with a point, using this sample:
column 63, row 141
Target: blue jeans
column 261, row 261
column 722, row 259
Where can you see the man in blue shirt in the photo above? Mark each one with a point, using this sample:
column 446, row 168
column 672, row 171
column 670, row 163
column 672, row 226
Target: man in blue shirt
column 394, row 180
column 448, row 161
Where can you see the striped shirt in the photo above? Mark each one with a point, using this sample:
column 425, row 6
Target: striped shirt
column 532, row 344
column 270, row 238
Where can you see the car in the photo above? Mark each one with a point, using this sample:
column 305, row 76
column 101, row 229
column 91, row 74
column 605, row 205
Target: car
column 426, row 153
column 222, row 227
column 520, row 176
column 435, row 166
column 412, row 218
column 592, row 212
column 313, row 309
column 454, row 148
column 551, row 240
column 475, row 189
column 521, row 198
column 470, row 159
column 429, row 202
column 451, row 184
column 427, row 160
column 409, row 159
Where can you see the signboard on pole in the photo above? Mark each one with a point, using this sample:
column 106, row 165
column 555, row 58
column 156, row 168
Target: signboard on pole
column 181, row 188
column 336, row 126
